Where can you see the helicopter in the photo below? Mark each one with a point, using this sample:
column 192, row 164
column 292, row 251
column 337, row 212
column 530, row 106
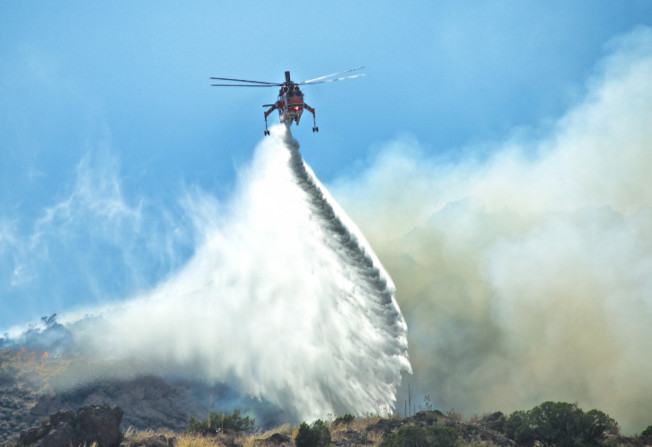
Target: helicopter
column 289, row 103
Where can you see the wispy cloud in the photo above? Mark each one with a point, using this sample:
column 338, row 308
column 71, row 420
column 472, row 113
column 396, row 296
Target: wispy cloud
column 94, row 243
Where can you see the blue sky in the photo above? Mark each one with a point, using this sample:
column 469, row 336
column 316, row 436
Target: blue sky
column 124, row 86
column 137, row 73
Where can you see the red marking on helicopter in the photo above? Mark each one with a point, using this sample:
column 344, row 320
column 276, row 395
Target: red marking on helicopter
column 290, row 104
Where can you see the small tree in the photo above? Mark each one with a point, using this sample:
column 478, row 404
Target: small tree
column 344, row 420
column 49, row 321
column 517, row 428
column 316, row 435
column 559, row 424
column 198, row 427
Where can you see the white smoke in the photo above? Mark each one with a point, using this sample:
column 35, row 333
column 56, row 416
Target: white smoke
column 528, row 276
column 283, row 299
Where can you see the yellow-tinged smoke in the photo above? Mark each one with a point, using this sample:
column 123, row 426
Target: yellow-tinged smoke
column 527, row 276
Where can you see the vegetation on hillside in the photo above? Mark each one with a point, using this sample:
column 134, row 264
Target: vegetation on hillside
column 8, row 375
column 558, row 424
column 25, row 378
column 415, row 436
column 316, row 435
column 221, row 423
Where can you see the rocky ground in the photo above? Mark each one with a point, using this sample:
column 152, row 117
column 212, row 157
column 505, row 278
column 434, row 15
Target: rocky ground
column 15, row 405
column 154, row 412
column 27, row 396
column 30, row 390
column 92, row 425
column 98, row 425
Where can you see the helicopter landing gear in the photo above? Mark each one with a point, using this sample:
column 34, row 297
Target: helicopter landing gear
column 314, row 120
column 266, row 130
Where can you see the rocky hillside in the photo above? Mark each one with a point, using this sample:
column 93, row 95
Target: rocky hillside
column 29, row 393
column 154, row 412
column 93, row 425
column 99, row 425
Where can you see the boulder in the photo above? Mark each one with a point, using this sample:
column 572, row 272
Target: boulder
column 95, row 424
column 99, row 423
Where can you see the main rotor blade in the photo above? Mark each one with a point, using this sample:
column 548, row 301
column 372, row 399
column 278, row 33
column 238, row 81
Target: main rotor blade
column 244, row 80
column 310, row 81
column 244, row 85
column 332, row 80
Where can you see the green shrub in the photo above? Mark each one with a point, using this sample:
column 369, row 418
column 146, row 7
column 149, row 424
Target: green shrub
column 559, row 424
column 647, row 433
column 316, row 435
column 344, row 420
column 220, row 422
column 442, row 436
column 408, row 436
column 415, row 436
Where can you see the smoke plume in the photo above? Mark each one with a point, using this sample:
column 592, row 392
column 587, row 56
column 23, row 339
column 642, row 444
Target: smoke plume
column 527, row 275
column 283, row 299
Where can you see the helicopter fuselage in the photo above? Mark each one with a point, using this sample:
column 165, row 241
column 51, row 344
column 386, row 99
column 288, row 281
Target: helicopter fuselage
column 289, row 104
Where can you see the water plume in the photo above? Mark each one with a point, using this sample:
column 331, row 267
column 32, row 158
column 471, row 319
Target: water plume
column 283, row 299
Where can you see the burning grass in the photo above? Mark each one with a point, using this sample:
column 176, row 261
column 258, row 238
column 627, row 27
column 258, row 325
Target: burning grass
column 35, row 369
